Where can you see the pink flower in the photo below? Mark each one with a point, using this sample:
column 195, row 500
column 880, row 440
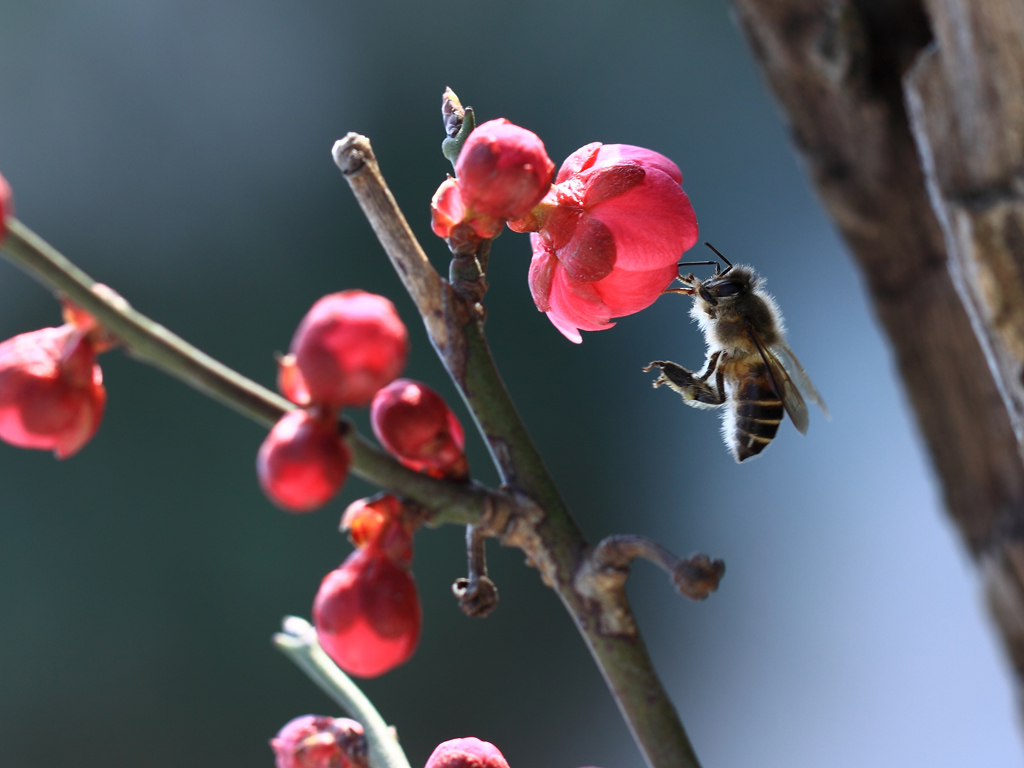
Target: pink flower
column 303, row 461
column 607, row 236
column 51, row 390
column 503, row 170
column 6, row 205
column 319, row 741
column 469, row 752
column 349, row 345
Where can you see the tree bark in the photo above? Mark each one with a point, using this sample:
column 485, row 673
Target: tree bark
column 930, row 201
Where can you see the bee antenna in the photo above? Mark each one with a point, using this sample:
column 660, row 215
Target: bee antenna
column 719, row 254
column 714, row 264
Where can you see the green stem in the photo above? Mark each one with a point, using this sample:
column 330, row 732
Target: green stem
column 154, row 344
column 298, row 642
column 147, row 340
column 622, row 659
column 554, row 542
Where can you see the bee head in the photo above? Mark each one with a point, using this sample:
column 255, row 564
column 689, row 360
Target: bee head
column 734, row 282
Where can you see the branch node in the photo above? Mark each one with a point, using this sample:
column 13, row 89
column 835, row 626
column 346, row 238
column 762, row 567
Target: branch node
column 697, row 576
column 477, row 594
column 476, row 598
column 603, row 574
column 351, row 152
column 465, row 273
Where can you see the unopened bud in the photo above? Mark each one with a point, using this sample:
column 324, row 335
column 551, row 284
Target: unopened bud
column 303, row 461
column 381, row 522
column 367, row 614
column 452, row 113
column 503, row 170
column 51, row 390
column 415, row 425
column 469, row 752
column 318, row 741
column 349, row 345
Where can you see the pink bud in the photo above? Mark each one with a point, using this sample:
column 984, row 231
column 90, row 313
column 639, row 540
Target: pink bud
column 51, row 390
column 6, row 205
column 503, row 170
column 446, row 208
column 415, row 425
column 450, row 219
column 367, row 614
column 303, row 461
column 349, row 345
column 607, row 237
column 466, row 753
column 318, row 741
column 381, row 521
column 102, row 340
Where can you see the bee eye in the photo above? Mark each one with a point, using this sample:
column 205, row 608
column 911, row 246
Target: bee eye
column 727, row 288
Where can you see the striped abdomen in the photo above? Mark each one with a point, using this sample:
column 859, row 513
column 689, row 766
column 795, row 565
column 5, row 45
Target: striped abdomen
column 755, row 412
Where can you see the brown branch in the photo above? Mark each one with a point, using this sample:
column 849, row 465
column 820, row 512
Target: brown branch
column 152, row 343
column 837, row 67
column 966, row 103
column 354, row 157
column 546, row 532
column 602, row 575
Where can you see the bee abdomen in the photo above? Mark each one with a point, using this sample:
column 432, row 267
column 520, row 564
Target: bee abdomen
column 757, row 412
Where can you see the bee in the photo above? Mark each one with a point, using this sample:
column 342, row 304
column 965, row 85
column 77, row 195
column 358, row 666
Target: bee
column 749, row 368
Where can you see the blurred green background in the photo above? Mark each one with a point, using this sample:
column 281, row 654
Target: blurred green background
column 180, row 152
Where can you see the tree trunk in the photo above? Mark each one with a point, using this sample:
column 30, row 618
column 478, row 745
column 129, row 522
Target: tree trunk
column 930, row 199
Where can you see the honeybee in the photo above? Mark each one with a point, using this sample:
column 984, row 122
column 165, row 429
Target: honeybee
column 749, row 368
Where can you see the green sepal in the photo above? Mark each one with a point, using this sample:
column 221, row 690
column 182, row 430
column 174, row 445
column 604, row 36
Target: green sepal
column 451, row 147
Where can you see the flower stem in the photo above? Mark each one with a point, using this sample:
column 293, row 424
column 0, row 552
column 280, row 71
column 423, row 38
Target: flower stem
column 298, row 642
column 154, row 344
column 146, row 340
column 552, row 539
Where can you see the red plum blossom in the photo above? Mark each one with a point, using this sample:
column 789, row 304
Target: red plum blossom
column 607, row 236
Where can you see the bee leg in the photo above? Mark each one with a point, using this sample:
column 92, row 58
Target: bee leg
column 695, row 391
column 688, row 280
column 709, row 368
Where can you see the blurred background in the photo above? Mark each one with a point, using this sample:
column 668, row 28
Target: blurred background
column 180, row 151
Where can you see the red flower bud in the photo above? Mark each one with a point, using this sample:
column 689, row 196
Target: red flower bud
column 503, row 170
column 51, row 390
column 6, row 205
column 318, row 741
column 101, row 339
column 415, row 425
column 367, row 613
column 449, row 217
column 303, row 461
column 607, row 236
column 349, row 345
column 380, row 522
column 466, row 753
column 446, row 208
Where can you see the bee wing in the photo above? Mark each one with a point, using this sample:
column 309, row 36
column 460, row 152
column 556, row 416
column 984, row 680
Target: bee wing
column 798, row 375
column 786, row 389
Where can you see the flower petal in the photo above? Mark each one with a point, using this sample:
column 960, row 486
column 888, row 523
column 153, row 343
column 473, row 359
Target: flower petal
column 625, row 291
column 652, row 224
column 590, row 254
column 612, row 154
